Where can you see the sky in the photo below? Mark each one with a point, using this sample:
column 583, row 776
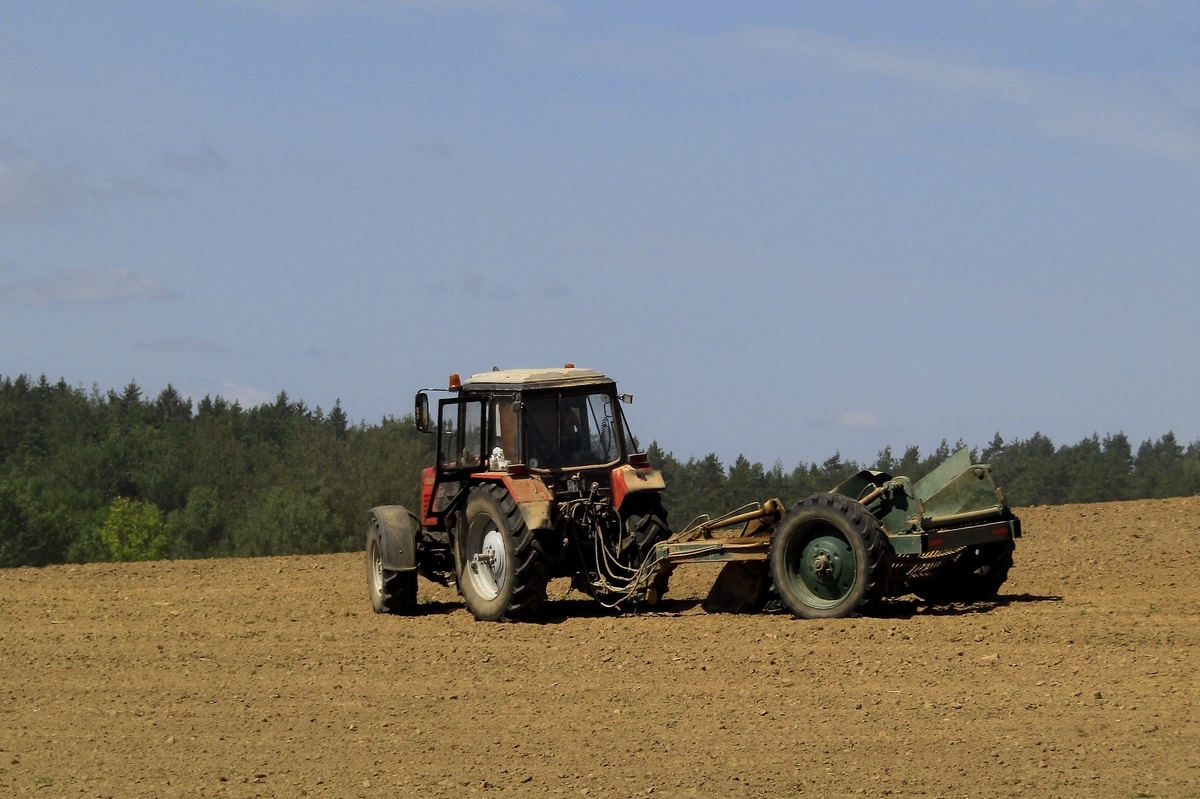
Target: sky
column 789, row 229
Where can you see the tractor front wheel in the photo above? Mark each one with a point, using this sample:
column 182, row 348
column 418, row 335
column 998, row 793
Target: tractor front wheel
column 829, row 558
column 502, row 570
column 390, row 591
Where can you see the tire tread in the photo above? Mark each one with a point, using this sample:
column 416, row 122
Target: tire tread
column 874, row 571
column 529, row 570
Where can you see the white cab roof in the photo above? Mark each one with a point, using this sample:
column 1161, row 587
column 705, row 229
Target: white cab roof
column 530, row 378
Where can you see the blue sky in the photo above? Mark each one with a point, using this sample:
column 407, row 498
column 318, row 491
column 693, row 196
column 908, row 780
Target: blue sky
column 789, row 229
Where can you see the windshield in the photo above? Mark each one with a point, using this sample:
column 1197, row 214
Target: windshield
column 571, row 430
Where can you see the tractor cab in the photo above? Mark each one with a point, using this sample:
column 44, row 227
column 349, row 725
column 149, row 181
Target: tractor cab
column 549, row 435
column 557, row 423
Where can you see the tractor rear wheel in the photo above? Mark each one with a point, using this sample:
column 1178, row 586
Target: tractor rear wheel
column 830, row 558
column 390, row 591
column 646, row 521
column 502, row 570
column 974, row 576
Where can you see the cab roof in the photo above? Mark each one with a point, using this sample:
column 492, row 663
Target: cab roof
column 517, row 379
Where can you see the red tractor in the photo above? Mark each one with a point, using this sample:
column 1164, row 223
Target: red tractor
column 536, row 476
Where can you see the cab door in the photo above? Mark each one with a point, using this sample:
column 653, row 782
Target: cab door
column 462, row 434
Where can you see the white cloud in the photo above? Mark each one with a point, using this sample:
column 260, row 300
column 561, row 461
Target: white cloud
column 554, row 288
column 314, row 7
column 434, row 148
column 202, row 159
column 25, row 189
column 185, row 345
column 1080, row 109
column 860, row 421
column 246, row 396
column 84, row 286
column 116, row 187
column 887, row 86
column 500, row 286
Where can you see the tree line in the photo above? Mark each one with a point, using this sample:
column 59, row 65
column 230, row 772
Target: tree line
column 1030, row 471
column 87, row 476
column 110, row 476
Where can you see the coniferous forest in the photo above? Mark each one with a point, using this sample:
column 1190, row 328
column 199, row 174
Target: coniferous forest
column 92, row 476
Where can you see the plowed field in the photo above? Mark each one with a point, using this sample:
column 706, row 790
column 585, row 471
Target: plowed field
column 272, row 677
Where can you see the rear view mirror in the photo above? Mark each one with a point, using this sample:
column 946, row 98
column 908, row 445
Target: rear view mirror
column 421, row 414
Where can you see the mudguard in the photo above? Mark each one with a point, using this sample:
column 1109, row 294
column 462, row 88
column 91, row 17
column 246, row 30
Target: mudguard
column 627, row 479
column 397, row 530
column 534, row 498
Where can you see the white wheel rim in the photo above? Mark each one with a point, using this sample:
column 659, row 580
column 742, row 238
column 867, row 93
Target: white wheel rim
column 489, row 567
column 376, row 567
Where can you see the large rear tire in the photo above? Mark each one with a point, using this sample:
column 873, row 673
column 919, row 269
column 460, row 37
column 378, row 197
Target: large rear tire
column 502, row 570
column 390, row 591
column 830, row 558
column 646, row 521
column 974, row 576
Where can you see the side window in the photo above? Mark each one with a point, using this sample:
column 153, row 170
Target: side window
column 541, row 424
column 631, row 443
column 604, row 430
column 461, row 434
column 449, row 437
column 504, row 429
column 473, row 433
column 574, row 438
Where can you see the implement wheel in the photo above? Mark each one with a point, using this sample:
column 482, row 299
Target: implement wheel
column 830, row 558
column 974, row 576
column 502, row 571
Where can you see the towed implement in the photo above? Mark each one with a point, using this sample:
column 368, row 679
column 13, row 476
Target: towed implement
column 536, row 476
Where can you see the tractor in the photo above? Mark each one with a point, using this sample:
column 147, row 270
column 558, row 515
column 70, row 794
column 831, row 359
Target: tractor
column 536, row 476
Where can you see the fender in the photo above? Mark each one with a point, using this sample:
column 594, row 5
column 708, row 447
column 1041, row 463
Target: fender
column 532, row 495
column 628, row 479
column 534, row 498
column 397, row 529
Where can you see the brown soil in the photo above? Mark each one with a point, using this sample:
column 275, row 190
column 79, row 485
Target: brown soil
column 272, row 677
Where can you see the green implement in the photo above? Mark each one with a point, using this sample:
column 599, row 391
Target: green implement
column 947, row 538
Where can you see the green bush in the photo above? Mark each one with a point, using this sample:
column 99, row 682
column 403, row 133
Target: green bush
column 133, row 530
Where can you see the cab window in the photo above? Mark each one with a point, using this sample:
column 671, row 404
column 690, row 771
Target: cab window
column 461, row 439
column 571, row 430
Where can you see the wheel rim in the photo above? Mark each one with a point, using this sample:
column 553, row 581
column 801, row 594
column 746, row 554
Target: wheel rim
column 376, row 567
column 821, row 566
column 487, row 568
